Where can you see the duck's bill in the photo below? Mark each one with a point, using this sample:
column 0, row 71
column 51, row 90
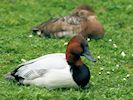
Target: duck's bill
column 89, row 56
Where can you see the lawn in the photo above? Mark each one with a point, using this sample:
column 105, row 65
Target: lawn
column 111, row 75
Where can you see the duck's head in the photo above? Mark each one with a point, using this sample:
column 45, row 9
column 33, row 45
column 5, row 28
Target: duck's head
column 83, row 11
column 77, row 47
column 92, row 27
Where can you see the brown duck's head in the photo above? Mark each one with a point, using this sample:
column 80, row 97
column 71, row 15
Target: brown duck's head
column 92, row 29
column 83, row 11
column 91, row 26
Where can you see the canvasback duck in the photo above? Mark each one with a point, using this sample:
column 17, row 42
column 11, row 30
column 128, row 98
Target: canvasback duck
column 82, row 20
column 56, row 70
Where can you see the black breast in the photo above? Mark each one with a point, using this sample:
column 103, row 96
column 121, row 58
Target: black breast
column 81, row 75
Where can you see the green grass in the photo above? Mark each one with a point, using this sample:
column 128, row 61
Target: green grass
column 108, row 82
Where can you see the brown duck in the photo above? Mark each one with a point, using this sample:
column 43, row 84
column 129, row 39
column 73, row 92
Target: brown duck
column 82, row 20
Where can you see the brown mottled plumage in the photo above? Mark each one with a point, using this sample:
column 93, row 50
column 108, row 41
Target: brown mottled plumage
column 82, row 21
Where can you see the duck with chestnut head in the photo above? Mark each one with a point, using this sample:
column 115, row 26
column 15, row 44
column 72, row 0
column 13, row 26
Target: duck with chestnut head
column 57, row 70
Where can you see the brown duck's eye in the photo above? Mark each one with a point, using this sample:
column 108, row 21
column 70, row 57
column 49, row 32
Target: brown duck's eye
column 83, row 13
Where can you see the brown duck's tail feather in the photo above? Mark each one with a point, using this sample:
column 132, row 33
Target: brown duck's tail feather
column 35, row 29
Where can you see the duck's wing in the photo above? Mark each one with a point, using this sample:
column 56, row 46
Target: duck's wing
column 54, row 26
column 71, row 20
column 28, row 74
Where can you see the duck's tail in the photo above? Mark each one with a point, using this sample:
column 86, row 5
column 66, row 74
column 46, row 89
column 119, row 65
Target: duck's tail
column 13, row 76
column 9, row 76
column 48, row 28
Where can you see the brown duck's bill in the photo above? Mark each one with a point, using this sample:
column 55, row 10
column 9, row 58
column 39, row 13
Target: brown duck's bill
column 89, row 56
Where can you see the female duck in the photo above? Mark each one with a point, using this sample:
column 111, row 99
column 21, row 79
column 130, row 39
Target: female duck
column 82, row 20
column 56, row 70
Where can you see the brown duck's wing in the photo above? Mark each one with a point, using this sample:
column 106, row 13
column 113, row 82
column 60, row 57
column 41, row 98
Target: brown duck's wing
column 70, row 25
column 72, row 20
column 57, row 23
